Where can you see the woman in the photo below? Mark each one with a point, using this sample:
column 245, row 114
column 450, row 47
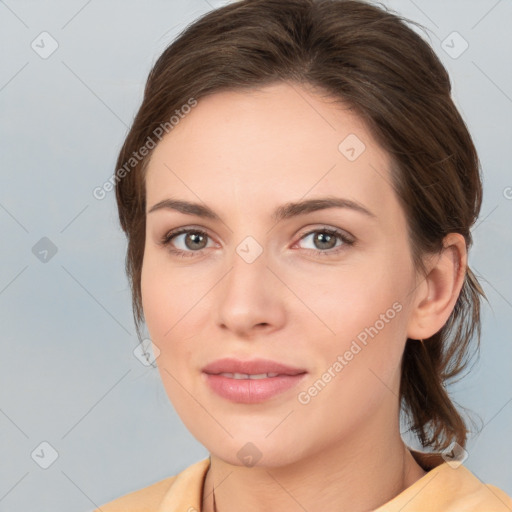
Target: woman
column 298, row 190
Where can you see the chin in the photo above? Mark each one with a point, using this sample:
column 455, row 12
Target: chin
column 257, row 451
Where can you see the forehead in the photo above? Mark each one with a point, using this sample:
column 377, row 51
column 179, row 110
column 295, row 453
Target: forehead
column 264, row 146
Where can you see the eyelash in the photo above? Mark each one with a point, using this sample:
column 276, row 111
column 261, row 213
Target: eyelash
column 166, row 241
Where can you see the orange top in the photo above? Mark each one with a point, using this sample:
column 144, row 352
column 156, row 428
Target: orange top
column 443, row 489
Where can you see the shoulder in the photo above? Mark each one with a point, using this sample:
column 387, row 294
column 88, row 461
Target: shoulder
column 460, row 490
column 182, row 489
column 448, row 488
column 141, row 500
column 496, row 497
column 476, row 496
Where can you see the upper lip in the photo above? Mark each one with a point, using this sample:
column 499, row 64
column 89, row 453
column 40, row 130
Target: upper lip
column 250, row 367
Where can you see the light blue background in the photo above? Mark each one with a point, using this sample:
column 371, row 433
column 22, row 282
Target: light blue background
column 68, row 373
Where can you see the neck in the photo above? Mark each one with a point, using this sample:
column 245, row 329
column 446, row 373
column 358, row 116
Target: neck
column 356, row 476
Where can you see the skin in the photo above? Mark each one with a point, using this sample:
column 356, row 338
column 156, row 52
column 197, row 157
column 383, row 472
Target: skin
column 243, row 154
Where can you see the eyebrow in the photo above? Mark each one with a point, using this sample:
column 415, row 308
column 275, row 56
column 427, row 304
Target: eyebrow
column 285, row 211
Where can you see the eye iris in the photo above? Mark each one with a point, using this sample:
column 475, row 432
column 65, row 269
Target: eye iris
column 195, row 237
column 321, row 238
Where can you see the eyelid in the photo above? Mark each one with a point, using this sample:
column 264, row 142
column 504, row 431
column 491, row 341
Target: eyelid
column 173, row 233
column 192, row 228
column 330, row 229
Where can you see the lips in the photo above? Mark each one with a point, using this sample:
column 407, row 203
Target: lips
column 251, row 381
column 251, row 367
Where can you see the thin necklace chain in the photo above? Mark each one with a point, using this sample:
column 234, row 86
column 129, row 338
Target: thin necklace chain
column 214, row 506
column 213, row 488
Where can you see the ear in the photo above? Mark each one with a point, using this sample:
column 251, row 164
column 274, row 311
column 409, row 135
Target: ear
column 437, row 294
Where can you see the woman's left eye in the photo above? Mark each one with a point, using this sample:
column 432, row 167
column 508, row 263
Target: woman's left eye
column 326, row 239
column 195, row 240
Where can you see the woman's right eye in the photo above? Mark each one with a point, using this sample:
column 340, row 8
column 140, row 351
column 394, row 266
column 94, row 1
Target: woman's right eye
column 187, row 238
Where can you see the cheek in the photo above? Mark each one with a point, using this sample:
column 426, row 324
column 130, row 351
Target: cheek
column 169, row 295
column 175, row 312
column 357, row 371
column 154, row 300
column 160, row 304
column 365, row 314
column 347, row 299
column 163, row 308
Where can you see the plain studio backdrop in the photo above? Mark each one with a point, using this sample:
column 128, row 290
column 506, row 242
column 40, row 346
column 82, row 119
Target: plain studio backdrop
column 82, row 419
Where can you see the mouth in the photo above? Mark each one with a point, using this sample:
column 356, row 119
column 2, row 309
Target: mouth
column 252, row 367
column 252, row 381
column 247, row 375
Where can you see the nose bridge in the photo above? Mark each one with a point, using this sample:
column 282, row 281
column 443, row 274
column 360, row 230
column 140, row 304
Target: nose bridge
column 247, row 296
column 248, row 265
column 250, row 247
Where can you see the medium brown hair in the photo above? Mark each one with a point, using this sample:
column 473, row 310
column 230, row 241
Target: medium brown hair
column 368, row 58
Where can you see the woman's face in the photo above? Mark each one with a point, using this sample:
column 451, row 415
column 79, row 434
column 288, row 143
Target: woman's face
column 326, row 291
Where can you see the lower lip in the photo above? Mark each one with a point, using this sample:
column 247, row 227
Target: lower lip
column 251, row 391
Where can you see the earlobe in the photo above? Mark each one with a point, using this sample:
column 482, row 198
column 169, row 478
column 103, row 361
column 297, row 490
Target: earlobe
column 436, row 299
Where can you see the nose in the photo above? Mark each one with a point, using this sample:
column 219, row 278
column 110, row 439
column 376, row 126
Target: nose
column 250, row 298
